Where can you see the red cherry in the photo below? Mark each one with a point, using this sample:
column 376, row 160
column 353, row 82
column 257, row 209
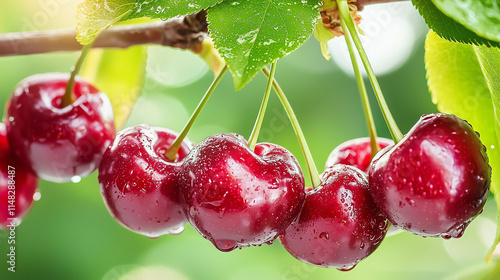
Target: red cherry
column 339, row 224
column 17, row 185
column 139, row 184
column 435, row 180
column 56, row 142
column 355, row 152
column 236, row 197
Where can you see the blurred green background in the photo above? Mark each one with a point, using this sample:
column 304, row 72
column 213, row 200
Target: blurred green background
column 69, row 233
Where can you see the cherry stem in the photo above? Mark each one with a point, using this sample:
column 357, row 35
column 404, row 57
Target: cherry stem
column 391, row 123
column 68, row 97
column 171, row 152
column 363, row 94
column 311, row 167
column 252, row 140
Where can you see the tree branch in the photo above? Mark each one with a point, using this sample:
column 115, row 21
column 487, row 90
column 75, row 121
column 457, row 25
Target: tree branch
column 186, row 32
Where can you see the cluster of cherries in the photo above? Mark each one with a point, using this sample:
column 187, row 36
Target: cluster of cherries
column 431, row 183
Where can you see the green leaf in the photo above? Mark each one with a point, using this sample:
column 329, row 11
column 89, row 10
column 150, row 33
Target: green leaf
column 465, row 80
column 122, row 84
column 252, row 34
column 482, row 17
column 165, row 9
column 448, row 28
column 94, row 16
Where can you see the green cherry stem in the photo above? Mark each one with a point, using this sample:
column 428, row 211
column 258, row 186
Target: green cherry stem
column 391, row 123
column 68, row 97
column 171, row 152
column 311, row 167
column 363, row 94
column 252, row 140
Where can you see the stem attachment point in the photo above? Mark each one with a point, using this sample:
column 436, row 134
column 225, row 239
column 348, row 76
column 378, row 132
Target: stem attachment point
column 68, row 97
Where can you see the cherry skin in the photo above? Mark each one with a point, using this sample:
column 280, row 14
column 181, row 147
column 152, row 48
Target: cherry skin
column 57, row 142
column 236, row 197
column 139, row 184
column 339, row 224
column 435, row 181
column 17, row 185
column 355, row 152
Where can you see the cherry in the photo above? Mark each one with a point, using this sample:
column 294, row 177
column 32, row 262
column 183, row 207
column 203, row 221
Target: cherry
column 236, row 197
column 17, row 185
column 435, row 180
column 355, row 152
column 339, row 224
column 57, row 142
column 139, row 184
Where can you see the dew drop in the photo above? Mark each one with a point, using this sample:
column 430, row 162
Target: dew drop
column 324, row 235
column 410, row 201
column 37, row 196
column 382, row 225
column 225, row 245
column 220, row 214
column 346, row 267
column 176, row 230
column 459, row 231
column 76, row 179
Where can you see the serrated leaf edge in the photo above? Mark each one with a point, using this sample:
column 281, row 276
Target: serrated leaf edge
column 452, row 39
column 484, row 35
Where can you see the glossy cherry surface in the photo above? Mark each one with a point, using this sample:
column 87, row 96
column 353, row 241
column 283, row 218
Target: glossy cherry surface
column 355, row 152
column 17, row 185
column 57, row 142
column 236, row 197
column 339, row 224
column 435, row 180
column 139, row 184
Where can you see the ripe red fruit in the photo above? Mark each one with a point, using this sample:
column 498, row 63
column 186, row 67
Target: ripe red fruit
column 58, row 142
column 139, row 184
column 436, row 180
column 339, row 224
column 355, row 152
column 17, row 185
column 236, row 197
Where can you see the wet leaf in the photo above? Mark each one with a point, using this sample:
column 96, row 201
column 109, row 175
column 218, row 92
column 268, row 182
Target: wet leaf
column 465, row 80
column 482, row 17
column 94, row 16
column 448, row 28
column 252, row 34
column 165, row 9
column 119, row 74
